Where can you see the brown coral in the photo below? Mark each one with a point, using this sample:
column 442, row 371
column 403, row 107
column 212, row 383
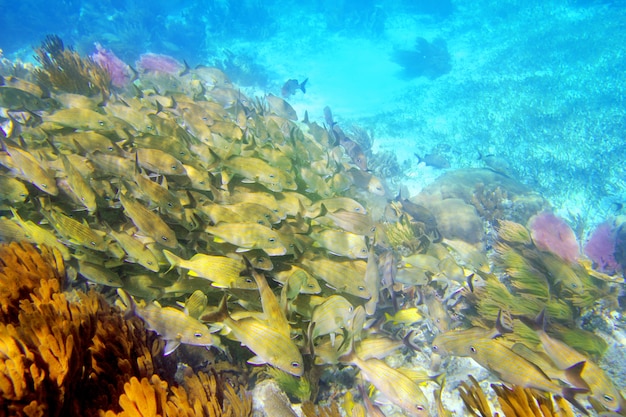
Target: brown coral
column 63, row 69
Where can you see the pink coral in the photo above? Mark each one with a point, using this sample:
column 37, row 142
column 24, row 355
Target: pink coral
column 118, row 70
column 159, row 63
column 600, row 248
column 551, row 233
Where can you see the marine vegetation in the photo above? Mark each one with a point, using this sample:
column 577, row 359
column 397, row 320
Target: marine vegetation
column 64, row 69
column 233, row 234
column 72, row 354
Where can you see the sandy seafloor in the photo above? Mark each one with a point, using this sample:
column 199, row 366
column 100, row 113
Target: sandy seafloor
column 541, row 85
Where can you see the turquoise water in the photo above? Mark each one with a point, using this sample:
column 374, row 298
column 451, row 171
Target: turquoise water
column 539, row 84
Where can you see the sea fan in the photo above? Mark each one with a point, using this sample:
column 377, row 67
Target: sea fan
column 551, row 233
column 600, row 248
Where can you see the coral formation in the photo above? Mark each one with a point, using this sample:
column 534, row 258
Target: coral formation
column 514, row 401
column 600, row 248
column 551, row 233
column 64, row 69
column 72, row 354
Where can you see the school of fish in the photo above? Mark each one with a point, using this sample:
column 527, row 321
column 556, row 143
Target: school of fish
column 272, row 233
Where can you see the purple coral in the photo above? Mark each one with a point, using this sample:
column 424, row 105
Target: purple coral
column 117, row 69
column 551, row 233
column 600, row 248
column 159, row 63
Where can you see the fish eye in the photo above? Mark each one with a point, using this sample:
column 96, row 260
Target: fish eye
column 420, row 408
column 271, row 240
column 92, row 243
column 435, row 348
column 44, row 185
column 170, row 204
column 295, row 364
column 110, row 148
column 164, row 238
column 174, row 167
column 149, row 262
column 608, row 398
column 198, row 335
column 361, row 288
column 472, row 349
column 249, row 280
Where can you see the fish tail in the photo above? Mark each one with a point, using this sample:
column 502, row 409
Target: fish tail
column 129, row 302
column 173, row 260
column 569, row 394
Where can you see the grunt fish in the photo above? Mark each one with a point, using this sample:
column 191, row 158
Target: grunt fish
column 269, row 345
column 149, row 222
column 340, row 243
column 343, row 276
column 172, row 325
column 222, row 271
column 396, row 386
column 291, row 86
column 249, row 236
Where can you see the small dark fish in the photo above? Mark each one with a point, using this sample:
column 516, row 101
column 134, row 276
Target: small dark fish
column 291, row 86
column 497, row 164
column 435, row 160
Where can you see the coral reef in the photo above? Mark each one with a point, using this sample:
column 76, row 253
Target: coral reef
column 493, row 195
column 515, row 401
column 64, row 69
column 72, row 354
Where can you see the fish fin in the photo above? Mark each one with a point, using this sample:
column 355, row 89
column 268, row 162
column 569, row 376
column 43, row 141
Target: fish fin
column 172, row 259
column 220, row 314
column 573, row 375
column 303, row 85
column 256, row 360
column 170, row 346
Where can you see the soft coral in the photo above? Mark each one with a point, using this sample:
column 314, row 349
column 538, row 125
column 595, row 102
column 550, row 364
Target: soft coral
column 551, row 233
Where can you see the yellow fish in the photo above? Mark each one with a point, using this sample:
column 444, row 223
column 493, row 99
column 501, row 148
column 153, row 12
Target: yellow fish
column 268, row 344
column 25, row 166
column 222, row 271
column 99, row 274
column 340, row 243
column 76, row 232
column 249, row 236
column 343, row 276
column 332, row 315
column 406, row 316
column 564, row 357
column 173, row 325
column 39, row 235
column 136, row 250
column 395, row 386
column 156, row 160
column 79, row 186
column 80, row 119
column 149, row 222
